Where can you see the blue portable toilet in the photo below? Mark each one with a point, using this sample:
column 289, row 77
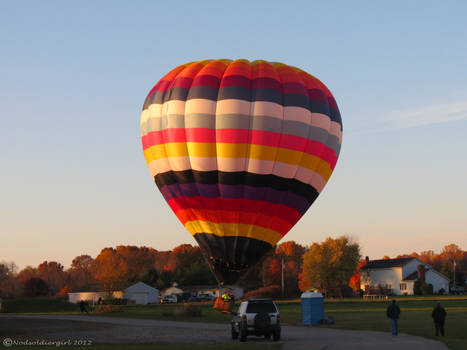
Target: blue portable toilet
column 312, row 307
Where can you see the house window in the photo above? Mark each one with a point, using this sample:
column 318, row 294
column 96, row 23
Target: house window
column 403, row 286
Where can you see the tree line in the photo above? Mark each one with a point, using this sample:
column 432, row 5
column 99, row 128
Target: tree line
column 331, row 266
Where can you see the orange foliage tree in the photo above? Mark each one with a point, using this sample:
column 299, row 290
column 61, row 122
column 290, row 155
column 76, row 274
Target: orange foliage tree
column 330, row 264
column 111, row 270
column 354, row 282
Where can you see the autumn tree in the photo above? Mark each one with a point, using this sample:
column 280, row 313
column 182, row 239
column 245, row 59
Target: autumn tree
column 150, row 276
column 54, row 276
column 427, row 256
column 165, row 261
column 10, row 286
column 186, row 254
column 191, row 268
column 138, row 260
column 111, row 269
column 271, row 272
column 330, row 264
column 354, row 282
column 80, row 272
column 289, row 255
column 451, row 263
column 35, row 287
column 27, row 273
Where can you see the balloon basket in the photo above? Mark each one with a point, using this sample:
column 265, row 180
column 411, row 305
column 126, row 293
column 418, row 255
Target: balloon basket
column 224, row 307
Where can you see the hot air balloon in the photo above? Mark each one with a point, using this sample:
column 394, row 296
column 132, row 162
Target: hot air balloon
column 239, row 150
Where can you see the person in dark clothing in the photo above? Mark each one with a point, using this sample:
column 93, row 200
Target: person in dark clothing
column 82, row 307
column 393, row 312
column 439, row 315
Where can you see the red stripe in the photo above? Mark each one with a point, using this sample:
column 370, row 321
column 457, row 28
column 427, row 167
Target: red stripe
column 294, row 88
column 266, row 83
column 206, row 80
column 254, row 137
column 225, row 216
column 236, row 205
column 182, row 82
column 236, row 80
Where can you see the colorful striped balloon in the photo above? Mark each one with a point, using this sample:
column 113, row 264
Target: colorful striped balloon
column 239, row 150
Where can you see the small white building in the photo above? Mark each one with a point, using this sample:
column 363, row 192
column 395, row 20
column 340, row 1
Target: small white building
column 91, row 293
column 141, row 293
column 397, row 276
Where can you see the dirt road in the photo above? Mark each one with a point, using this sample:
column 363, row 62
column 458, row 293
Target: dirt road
column 129, row 330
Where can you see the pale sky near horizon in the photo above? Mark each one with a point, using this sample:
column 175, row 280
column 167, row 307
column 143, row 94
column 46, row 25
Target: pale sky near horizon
column 74, row 75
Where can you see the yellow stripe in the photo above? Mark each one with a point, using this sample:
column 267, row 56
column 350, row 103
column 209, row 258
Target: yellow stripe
column 239, row 150
column 229, row 229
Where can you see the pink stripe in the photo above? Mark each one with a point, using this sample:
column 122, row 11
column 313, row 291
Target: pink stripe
column 258, row 137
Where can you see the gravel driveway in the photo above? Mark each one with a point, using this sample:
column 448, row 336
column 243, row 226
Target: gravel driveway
column 130, row 330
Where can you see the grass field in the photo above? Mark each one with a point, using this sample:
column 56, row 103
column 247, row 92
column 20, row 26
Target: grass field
column 354, row 314
column 38, row 305
column 415, row 317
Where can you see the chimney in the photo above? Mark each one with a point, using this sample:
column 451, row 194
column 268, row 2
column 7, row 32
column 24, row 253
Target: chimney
column 421, row 273
column 367, row 259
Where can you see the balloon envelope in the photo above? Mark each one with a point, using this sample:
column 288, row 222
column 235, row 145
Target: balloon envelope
column 239, row 150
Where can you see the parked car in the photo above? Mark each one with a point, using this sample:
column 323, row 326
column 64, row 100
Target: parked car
column 168, row 299
column 258, row 317
column 206, row 297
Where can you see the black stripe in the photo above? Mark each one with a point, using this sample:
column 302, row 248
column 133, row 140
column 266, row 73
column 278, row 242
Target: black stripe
column 230, row 257
column 237, row 178
column 242, row 93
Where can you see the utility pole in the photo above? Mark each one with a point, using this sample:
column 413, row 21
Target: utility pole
column 282, row 273
column 454, row 267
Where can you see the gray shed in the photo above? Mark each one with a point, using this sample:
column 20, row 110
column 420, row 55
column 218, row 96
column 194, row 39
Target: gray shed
column 141, row 293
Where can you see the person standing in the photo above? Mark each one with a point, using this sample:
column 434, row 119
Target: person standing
column 393, row 312
column 439, row 315
column 82, row 307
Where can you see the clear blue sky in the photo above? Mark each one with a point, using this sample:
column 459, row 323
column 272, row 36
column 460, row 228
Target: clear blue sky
column 74, row 75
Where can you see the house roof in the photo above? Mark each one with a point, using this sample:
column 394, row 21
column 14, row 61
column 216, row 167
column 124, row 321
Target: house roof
column 140, row 286
column 386, row 263
column 89, row 288
column 412, row 277
column 197, row 288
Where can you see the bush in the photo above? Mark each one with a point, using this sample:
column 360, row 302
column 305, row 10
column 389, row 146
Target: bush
column 115, row 301
column 427, row 289
column 417, row 288
column 273, row 291
column 347, row 292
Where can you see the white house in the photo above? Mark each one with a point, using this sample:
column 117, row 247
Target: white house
column 397, row 276
column 91, row 293
column 141, row 293
column 196, row 290
column 172, row 290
